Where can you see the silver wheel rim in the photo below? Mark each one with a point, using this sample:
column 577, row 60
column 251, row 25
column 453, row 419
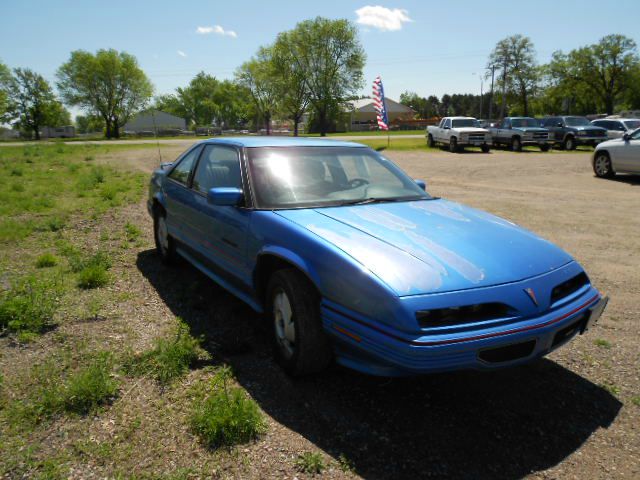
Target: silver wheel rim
column 284, row 325
column 601, row 165
column 163, row 235
column 569, row 144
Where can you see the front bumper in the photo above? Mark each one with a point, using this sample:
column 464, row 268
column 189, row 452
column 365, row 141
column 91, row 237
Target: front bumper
column 368, row 348
column 589, row 140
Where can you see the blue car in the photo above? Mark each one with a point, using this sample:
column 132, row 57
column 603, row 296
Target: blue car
column 351, row 260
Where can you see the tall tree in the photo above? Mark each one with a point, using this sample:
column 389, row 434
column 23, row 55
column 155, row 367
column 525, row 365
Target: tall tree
column 330, row 59
column 514, row 58
column 107, row 83
column 291, row 85
column 32, row 104
column 255, row 76
column 5, row 82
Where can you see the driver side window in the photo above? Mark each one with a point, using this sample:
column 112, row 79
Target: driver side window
column 180, row 173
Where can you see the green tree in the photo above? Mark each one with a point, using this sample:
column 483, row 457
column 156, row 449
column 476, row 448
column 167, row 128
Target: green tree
column 107, row 83
column 514, row 58
column 5, row 82
column 255, row 76
column 329, row 57
column 89, row 123
column 32, row 103
column 291, row 86
column 603, row 70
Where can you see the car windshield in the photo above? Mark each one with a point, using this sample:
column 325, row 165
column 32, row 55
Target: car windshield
column 524, row 122
column 636, row 135
column 290, row 177
column 632, row 124
column 576, row 121
column 465, row 122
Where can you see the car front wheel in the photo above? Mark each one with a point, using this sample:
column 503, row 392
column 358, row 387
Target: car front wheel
column 165, row 246
column 453, row 145
column 430, row 142
column 569, row 143
column 516, row 144
column 602, row 165
column 300, row 343
column 544, row 148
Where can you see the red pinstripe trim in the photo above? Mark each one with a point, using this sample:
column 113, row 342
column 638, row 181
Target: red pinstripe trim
column 470, row 339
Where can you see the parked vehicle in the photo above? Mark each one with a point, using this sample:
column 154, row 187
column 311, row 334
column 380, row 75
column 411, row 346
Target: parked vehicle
column 570, row 131
column 515, row 132
column 617, row 127
column 349, row 258
column 457, row 133
column 620, row 155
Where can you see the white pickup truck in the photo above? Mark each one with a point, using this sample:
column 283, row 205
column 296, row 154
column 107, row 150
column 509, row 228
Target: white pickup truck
column 459, row 132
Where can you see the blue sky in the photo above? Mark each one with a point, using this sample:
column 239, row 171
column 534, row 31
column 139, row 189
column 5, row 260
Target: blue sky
column 431, row 47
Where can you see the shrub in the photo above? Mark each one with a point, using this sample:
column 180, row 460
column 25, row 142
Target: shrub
column 132, row 231
column 46, row 260
column 55, row 224
column 79, row 263
column 93, row 276
column 29, row 305
column 90, row 387
column 310, row 462
column 170, row 357
column 226, row 416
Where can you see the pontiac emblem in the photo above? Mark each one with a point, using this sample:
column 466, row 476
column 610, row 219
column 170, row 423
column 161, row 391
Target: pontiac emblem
column 532, row 295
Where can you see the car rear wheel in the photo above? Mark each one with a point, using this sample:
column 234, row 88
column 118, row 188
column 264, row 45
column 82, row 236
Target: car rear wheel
column 165, row 245
column 602, row 165
column 453, row 144
column 516, row 144
column 430, row 142
column 569, row 143
column 300, row 343
column 485, row 148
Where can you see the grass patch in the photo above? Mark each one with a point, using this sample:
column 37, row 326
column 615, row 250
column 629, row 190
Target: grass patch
column 90, row 387
column 132, row 232
column 46, row 260
column 92, row 270
column 310, row 462
column 29, row 305
column 636, row 400
column 345, row 464
column 226, row 416
column 611, row 388
column 602, row 343
column 169, row 359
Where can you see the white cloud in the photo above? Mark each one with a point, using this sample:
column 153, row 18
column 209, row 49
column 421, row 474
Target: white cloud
column 382, row 18
column 181, row 53
column 217, row 29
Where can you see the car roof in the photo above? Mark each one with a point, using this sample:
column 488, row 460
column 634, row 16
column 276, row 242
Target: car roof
column 521, row 118
column 462, row 118
column 269, row 141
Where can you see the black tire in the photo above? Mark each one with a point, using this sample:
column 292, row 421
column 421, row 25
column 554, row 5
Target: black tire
column 544, row 148
column 453, row 144
column 602, row 165
column 166, row 249
column 485, row 148
column 569, row 143
column 310, row 350
column 430, row 142
column 516, row 144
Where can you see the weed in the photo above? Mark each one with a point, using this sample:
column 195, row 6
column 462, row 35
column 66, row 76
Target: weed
column 310, row 462
column 90, row 387
column 345, row 464
column 17, row 187
column 55, row 224
column 636, row 400
column 29, row 305
column 16, row 172
column 46, row 260
column 226, row 416
column 170, row 357
column 132, row 231
column 88, row 158
column 599, row 342
column 79, row 263
column 93, row 276
column 611, row 388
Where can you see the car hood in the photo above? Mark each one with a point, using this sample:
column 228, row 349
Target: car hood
column 530, row 129
column 610, row 143
column 432, row 245
column 470, row 130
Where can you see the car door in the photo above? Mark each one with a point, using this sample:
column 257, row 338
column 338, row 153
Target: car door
column 178, row 196
column 221, row 230
column 503, row 131
column 445, row 131
column 627, row 155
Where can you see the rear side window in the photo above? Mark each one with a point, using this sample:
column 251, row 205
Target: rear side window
column 180, row 173
column 218, row 167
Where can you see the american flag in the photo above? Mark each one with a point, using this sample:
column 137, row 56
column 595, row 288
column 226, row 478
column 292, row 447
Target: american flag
column 379, row 104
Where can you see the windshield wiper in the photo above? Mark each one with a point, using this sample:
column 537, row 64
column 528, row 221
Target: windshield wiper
column 366, row 201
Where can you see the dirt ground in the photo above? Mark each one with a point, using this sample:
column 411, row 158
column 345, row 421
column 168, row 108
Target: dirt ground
column 573, row 415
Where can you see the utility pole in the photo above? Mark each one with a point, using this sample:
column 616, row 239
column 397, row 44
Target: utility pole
column 493, row 72
column 503, row 105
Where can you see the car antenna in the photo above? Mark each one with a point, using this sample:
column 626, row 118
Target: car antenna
column 155, row 134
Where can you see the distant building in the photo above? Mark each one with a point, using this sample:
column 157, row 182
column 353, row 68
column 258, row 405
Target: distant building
column 363, row 113
column 68, row 131
column 154, row 121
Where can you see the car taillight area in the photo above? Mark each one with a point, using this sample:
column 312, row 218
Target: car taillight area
column 570, row 286
column 443, row 317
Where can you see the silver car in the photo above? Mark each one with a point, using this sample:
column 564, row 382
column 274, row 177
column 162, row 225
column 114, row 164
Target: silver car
column 617, row 127
column 621, row 155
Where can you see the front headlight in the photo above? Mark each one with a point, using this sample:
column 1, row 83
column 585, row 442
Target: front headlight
column 582, row 133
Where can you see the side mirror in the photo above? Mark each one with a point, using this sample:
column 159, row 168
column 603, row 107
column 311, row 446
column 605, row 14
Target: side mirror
column 165, row 165
column 225, row 196
column 559, row 124
column 626, row 137
column 447, row 128
column 421, row 183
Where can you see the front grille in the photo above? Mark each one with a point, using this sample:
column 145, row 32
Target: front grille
column 442, row 317
column 541, row 135
column 567, row 332
column 567, row 288
column 508, row 353
column 596, row 133
column 476, row 137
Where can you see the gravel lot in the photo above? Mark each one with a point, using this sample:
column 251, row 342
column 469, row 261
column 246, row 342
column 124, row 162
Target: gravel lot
column 573, row 415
